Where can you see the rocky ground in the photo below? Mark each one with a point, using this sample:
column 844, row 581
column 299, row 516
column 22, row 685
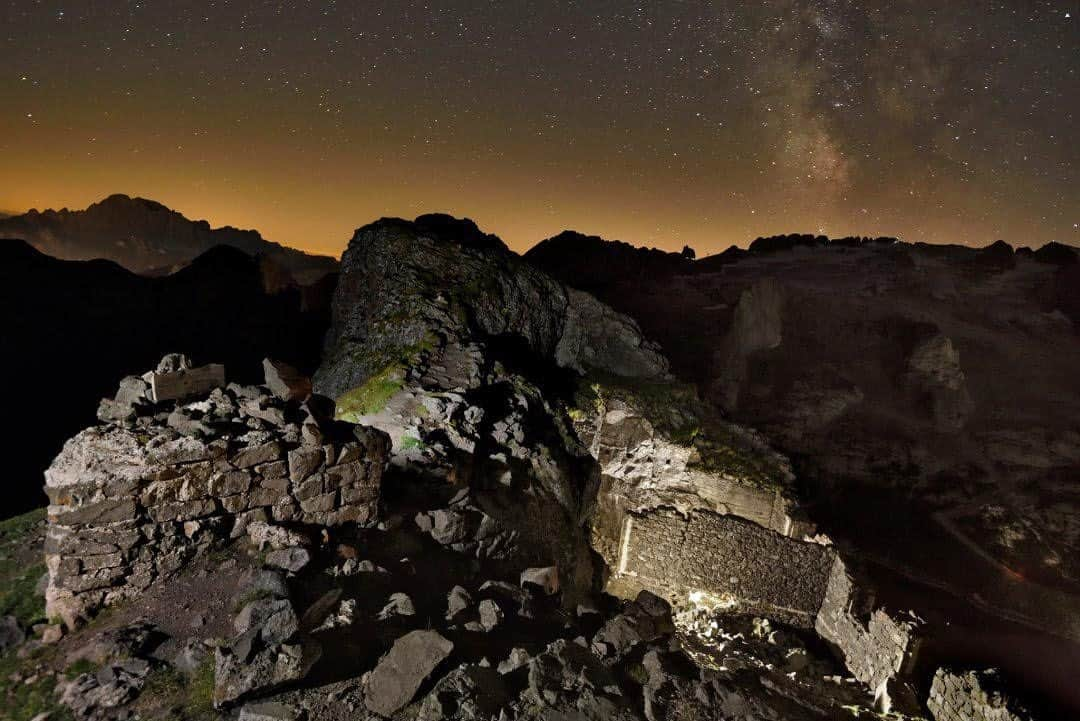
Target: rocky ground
column 505, row 506
column 933, row 388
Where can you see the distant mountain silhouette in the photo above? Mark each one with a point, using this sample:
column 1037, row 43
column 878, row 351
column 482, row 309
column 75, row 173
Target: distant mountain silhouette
column 72, row 327
column 147, row 238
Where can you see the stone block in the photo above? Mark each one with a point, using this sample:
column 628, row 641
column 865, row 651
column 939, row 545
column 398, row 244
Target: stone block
column 185, row 383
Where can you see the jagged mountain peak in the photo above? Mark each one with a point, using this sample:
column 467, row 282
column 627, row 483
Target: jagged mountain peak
column 147, row 237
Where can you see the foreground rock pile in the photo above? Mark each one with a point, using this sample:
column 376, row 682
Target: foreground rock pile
column 134, row 499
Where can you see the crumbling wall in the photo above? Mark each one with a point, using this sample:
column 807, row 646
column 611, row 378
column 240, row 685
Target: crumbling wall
column 873, row 651
column 132, row 501
column 734, row 562
column 972, row 696
column 721, row 562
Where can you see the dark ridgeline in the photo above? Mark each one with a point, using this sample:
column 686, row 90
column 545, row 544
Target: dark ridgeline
column 148, row 238
column 71, row 328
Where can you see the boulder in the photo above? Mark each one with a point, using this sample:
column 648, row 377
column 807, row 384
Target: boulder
column 490, row 614
column 546, row 579
column 11, row 634
column 285, row 382
column 289, row 559
column 458, row 602
column 466, row 693
column 973, row 696
column 396, row 678
column 399, row 605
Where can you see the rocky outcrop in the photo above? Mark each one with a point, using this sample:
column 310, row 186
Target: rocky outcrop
column 616, row 456
column 443, row 338
column 920, row 389
column 404, row 282
column 133, row 500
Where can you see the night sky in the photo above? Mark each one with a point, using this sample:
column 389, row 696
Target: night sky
column 660, row 123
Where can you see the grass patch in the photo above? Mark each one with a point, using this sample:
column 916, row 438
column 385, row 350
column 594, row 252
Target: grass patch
column 409, row 442
column 79, row 667
column 21, row 568
column 373, row 396
column 169, row 694
column 20, row 701
column 16, row 528
column 19, row 597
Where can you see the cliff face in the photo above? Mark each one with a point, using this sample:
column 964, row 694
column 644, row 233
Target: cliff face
column 147, row 238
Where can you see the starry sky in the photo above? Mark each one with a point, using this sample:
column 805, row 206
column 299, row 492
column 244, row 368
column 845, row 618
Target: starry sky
column 659, row 123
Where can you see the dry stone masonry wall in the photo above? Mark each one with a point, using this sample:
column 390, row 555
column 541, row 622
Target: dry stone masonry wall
column 135, row 498
column 754, row 569
column 972, row 696
column 668, row 523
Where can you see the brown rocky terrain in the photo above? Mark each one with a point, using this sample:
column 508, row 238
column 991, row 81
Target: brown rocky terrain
column 933, row 389
column 495, row 499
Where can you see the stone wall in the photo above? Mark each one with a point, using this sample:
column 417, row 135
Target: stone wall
column 753, row 570
column 972, row 696
column 874, row 651
column 726, row 563
column 132, row 501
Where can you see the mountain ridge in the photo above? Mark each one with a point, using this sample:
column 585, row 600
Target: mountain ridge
column 148, row 237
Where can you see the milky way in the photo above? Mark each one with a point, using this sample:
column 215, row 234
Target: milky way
column 663, row 124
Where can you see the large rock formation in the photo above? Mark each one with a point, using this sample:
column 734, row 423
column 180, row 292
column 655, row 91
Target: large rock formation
column 444, row 338
column 452, row 345
column 407, row 285
column 146, row 237
column 135, row 499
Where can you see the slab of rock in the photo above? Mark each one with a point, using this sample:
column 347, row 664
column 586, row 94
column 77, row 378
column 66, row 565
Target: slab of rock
column 186, row 382
column 289, row 559
column 285, row 382
column 399, row 674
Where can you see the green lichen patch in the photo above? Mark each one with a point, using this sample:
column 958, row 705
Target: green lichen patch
column 408, row 442
column 373, row 396
column 678, row 415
